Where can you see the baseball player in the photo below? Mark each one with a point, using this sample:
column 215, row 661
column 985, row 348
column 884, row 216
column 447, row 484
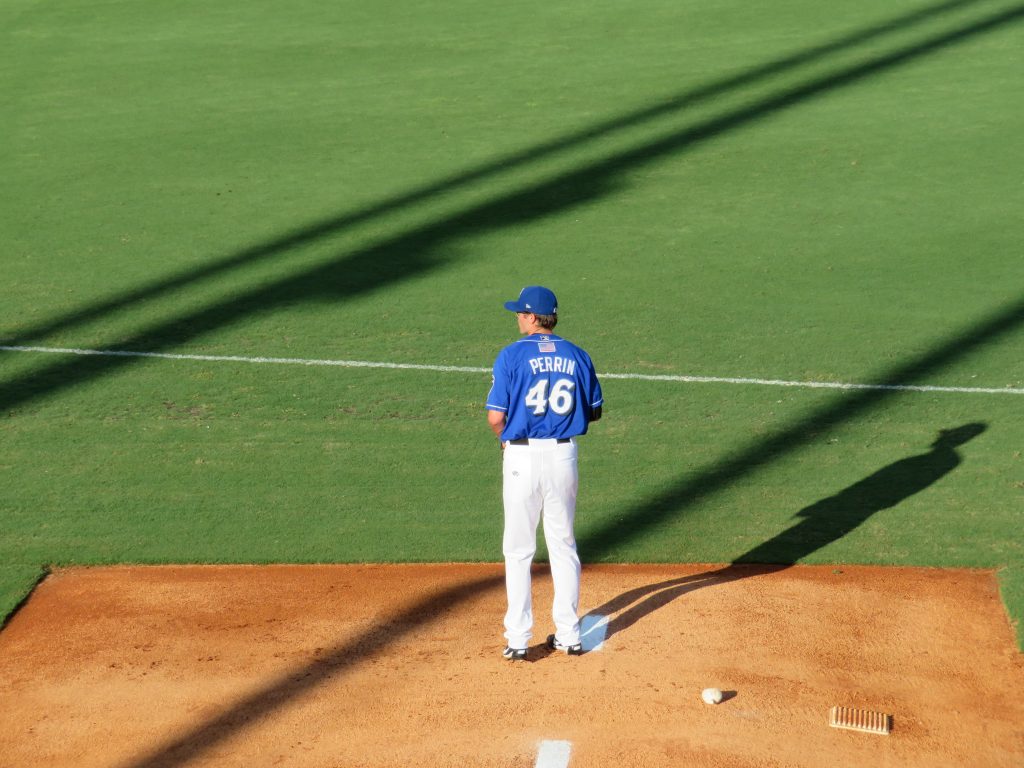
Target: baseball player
column 545, row 393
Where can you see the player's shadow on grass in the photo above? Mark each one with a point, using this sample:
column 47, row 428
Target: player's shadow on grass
column 820, row 524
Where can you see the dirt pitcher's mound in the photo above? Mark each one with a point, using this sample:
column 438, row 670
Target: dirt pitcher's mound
column 400, row 665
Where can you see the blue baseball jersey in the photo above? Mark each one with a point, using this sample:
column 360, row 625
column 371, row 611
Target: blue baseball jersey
column 546, row 387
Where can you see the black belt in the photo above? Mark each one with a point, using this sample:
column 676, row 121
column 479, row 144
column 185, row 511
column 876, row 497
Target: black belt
column 526, row 440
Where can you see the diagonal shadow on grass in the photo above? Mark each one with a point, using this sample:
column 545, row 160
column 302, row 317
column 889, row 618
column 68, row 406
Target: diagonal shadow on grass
column 424, row 248
column 821, row 524
column 334, row 226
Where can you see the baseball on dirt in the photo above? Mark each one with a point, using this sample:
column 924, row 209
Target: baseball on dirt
column 711, row 696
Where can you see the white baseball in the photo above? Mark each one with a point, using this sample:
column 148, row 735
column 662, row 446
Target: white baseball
column 711, row 696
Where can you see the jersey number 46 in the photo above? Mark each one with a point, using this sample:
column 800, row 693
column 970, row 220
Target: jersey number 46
column 560, row 399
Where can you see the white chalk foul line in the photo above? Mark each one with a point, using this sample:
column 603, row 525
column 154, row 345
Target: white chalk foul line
column 818, row 384
column 468, row 369
column 553, row 754
column 239, row 359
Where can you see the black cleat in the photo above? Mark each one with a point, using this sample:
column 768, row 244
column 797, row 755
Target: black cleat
column 572, row 650
column 514, row 654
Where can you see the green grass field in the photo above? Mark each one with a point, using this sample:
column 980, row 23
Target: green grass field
column 793, row 191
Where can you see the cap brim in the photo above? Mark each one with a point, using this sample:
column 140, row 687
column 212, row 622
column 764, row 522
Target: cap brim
column 514, row 306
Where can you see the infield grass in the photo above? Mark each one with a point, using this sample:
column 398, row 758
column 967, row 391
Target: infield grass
column 792, row 191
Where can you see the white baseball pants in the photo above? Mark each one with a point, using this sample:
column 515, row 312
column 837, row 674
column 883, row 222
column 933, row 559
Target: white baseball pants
column 540, row 478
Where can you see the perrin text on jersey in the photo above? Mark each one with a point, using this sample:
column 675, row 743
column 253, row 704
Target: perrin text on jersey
column 553, row 364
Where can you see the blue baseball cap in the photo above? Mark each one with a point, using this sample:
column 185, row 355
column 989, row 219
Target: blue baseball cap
column 536, row 299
